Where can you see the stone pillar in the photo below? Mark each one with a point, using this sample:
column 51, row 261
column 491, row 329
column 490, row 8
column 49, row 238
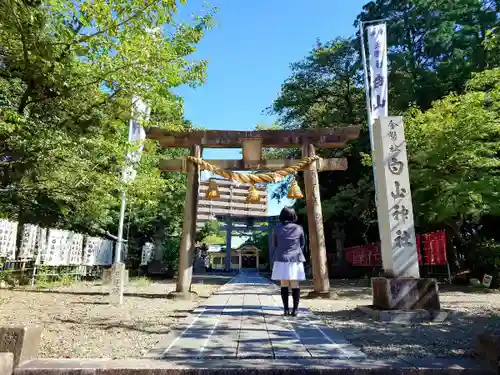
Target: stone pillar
column 229, row 234
column 315, row 225
column 186, row 250
column 107, row 276
column 257, row 260
column 394, row 208
column 402, row 288
column 240, row 263
column 118, row 276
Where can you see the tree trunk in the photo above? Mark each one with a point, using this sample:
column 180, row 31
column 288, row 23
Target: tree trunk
column 455, row 227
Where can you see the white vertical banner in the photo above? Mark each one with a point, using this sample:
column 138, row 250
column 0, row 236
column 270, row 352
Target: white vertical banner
column 42, row 245
column 55, row 255
column 89, row 250
column 136, row 134
column 75, row 253
column 377, row 48
column 147, row 253
column 8, row 239
column 67, row 237
column 28, row 242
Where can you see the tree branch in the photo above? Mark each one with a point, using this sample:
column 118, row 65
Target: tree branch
column 108, row 235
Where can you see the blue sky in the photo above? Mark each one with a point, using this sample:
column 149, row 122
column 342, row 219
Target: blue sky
column 249, row 52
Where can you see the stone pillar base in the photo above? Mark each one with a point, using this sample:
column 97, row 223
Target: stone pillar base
column 22, row 342
column 118, row 273
column 321, row 295
column 183, row 296
column 405, row 293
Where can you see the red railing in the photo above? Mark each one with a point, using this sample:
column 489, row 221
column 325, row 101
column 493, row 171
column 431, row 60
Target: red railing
column 370, row 255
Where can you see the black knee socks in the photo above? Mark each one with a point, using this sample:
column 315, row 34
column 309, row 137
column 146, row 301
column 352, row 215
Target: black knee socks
column 284, row 298
column 296, row 299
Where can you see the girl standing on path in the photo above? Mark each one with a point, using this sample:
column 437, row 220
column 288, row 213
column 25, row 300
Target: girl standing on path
column 288, row 267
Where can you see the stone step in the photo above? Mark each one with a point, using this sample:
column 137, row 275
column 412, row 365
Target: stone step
column 450, row 366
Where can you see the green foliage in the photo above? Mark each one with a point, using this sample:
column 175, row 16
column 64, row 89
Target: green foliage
column 70, row 70
column 325, row 88
column 435, row 51
column 454, row 148
column 140, row 282
column 171, row 254
column 6, row 275
column 211, row 233
column 354, row 200
column 47, row 277
column 129, row 47
column 486, row 254
column 213, row 239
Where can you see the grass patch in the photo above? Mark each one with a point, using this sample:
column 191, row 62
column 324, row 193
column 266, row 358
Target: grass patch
column 140, row 281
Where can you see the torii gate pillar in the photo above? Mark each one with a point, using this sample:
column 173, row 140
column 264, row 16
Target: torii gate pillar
column 315, row 226
column 188, row 242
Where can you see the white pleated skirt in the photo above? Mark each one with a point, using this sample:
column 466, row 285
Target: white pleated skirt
column 288, row 271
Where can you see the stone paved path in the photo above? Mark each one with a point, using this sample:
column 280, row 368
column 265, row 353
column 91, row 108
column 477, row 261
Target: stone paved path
column 244, row 320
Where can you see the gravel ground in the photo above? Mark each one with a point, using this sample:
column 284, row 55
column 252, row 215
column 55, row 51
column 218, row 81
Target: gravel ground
column 78, row 322
column 475, row 310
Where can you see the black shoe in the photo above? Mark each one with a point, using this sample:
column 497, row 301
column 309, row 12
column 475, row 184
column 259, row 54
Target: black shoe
column 286, row 313
column 293, row 313
column 284, row 298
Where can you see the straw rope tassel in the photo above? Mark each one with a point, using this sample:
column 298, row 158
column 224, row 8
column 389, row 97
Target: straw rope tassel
column 254, row 178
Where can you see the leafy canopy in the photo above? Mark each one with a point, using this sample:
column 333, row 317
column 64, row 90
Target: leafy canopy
column 454, row 152
column 69, row 71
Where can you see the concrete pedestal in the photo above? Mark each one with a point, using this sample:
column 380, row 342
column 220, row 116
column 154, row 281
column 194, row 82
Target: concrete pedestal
column 22, row 342
column 405, row 293
column 118, row 272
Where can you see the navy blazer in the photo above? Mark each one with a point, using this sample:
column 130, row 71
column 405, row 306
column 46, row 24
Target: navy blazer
column 288, row 243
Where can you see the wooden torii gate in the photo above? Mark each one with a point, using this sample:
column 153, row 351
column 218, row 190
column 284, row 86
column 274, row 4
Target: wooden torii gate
column 252, row 143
